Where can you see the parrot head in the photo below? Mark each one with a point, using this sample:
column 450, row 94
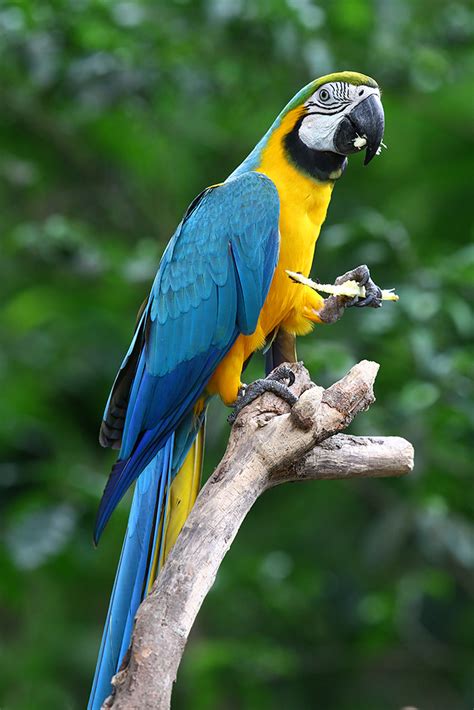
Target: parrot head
column 335, row 116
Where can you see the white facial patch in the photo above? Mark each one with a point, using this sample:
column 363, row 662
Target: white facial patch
column 326, row 109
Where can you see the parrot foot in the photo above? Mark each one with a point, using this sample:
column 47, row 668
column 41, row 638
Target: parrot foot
column 373, row 294
column 272, row 383
column 334, row 306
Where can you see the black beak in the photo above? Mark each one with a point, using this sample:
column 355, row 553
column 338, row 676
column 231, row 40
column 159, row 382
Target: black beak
column 366, row 120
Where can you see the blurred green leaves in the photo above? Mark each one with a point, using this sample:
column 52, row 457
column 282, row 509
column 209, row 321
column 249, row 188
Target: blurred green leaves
column 114, row 116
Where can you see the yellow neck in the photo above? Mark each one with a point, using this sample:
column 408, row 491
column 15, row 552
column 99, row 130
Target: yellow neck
column 303, row 207
column 303, row 200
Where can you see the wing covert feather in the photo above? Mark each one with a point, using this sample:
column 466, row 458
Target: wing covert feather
column 211, row 285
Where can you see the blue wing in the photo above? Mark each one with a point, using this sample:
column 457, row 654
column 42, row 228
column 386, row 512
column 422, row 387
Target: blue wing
column 212, row 282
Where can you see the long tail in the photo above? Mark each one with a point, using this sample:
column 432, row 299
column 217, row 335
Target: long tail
column 164, row 494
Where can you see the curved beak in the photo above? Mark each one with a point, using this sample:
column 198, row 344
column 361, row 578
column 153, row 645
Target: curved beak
column 366, row 121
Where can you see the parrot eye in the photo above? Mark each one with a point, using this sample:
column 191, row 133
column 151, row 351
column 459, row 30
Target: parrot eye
column 324, row 95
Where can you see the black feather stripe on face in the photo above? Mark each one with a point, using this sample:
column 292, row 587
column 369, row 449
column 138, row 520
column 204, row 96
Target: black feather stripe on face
column 339, row 98
column 322, row 166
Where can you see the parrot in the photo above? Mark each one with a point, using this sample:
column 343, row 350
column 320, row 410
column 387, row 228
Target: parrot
column 220, row 294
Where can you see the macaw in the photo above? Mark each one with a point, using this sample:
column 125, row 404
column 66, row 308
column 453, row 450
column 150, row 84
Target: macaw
column 221, row 292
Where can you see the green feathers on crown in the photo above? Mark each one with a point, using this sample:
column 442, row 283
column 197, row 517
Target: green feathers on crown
column 351, row 77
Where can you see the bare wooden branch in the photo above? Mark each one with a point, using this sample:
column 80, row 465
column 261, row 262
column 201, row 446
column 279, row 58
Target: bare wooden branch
column 268, row 445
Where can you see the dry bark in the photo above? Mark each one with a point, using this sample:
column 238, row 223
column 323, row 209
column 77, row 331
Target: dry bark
column 268, row 445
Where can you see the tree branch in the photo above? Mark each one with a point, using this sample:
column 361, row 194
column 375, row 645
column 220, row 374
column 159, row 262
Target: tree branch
column 268, row 445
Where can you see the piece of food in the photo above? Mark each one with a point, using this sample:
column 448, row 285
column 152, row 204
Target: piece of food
column 348, row 288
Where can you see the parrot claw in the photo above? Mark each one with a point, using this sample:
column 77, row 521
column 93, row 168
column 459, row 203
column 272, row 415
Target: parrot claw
column 373, row 294
column 273, row 383
column 334, row 306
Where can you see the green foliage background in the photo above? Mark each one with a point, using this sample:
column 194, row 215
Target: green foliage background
column 114, row 115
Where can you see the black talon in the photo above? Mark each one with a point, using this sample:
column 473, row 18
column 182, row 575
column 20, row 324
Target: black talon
column 373, row 297
column 272, row 383
column 280, row 373
column 334, row 306
column 361, row 274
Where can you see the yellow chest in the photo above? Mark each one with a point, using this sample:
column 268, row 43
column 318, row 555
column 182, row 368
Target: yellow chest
column 303, row 207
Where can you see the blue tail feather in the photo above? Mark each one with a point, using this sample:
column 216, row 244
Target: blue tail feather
column 133, row 571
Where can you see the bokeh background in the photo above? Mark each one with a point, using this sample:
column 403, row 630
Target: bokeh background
column 114, row 115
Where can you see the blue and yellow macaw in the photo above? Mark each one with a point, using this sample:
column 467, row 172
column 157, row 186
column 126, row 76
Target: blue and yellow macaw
column 221, row 292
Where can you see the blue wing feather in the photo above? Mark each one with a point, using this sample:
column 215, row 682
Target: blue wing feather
column 212, row 282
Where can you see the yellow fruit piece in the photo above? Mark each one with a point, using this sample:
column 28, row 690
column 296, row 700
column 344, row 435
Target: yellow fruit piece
column 348, row 288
